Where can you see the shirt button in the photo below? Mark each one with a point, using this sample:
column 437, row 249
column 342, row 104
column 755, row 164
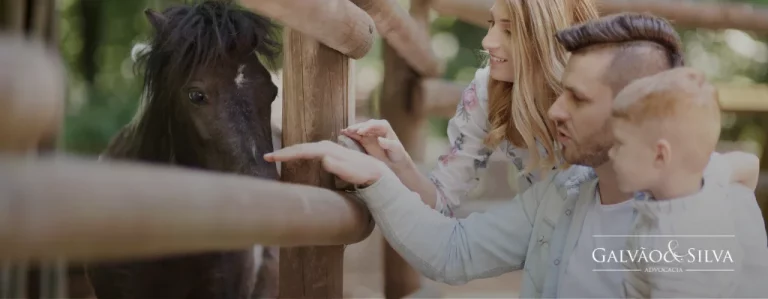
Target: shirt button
column 557, row 262
column 568, row 212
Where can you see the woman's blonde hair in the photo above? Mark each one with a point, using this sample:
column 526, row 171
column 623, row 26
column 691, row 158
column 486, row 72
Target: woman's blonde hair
column 517, row 111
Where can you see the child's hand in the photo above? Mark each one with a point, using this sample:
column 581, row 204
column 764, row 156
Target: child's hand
column 380, row 141
column 745, row 168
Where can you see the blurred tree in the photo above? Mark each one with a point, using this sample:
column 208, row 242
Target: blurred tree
column 96, row 41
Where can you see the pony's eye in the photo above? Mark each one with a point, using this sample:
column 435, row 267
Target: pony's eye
column 197, row 98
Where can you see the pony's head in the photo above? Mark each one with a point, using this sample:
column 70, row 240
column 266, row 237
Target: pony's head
column 208, row 97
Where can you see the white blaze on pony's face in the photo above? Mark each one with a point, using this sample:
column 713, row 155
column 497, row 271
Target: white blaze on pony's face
column 230, row 107
column 240, row 78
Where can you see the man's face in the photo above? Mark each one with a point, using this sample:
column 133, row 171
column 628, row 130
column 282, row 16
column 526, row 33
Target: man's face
column 583, row 111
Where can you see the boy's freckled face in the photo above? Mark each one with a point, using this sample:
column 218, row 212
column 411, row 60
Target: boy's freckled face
column 632, row 156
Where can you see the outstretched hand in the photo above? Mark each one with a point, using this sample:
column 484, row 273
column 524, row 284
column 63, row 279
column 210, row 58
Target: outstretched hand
column 380, row 141
column 349, row 165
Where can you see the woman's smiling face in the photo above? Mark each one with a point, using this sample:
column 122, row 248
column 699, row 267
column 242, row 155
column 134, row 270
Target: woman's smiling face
column 497, row 42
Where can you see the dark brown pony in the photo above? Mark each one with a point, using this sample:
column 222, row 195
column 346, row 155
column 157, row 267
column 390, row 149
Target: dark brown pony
column 206, row 105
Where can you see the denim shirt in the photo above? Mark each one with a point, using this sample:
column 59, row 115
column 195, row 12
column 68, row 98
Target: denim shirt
column 536, row 231
column 557, row 229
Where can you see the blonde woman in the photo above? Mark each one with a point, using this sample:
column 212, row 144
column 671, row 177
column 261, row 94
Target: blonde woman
column 503, row 109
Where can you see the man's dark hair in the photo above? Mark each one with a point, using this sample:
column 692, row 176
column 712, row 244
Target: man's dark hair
column 645, row 45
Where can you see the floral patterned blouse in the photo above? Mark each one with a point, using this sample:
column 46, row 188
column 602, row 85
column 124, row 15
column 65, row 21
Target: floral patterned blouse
column 458, row 171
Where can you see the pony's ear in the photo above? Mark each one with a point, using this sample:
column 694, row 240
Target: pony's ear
column 155, row 18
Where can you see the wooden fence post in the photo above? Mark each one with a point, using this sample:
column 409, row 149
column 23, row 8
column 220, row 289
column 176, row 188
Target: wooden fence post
column 35, row 19
column 399, row 108
column 316, row 103
column 43, row 106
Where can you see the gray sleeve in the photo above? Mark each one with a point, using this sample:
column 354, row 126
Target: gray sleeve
column 449, row 250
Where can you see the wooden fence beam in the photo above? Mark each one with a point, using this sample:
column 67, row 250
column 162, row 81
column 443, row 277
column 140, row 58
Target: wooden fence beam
column 338, row 24
column 685, row 13
column 14, row 15
column 476, row 12
column 36, row 19
column 397, row 27
column 32, row 79
column 89, row 210
column 438, row 97
column 696, row 14
column 317, row 105
column 400, row 109
column 743, row 98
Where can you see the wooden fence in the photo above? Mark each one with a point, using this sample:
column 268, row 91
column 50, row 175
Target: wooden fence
column 68, row 206
column 311, row 222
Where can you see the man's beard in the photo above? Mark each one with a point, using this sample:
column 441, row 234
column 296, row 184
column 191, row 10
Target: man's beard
column 592, row 151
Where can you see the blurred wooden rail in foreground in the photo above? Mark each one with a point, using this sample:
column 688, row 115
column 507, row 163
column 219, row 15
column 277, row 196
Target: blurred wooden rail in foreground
column 60, row 206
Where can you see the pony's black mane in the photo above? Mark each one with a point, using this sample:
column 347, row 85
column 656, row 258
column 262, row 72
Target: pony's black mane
column 193, row 37
column 203, row 34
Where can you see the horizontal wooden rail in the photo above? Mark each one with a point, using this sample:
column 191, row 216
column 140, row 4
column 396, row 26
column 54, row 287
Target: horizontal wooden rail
column 88, row 210
column 696, row 14
column 338, row 24
column 743, row 98
column 409, row 40
column 476, row 12
column 685, row 13
column 440, row 97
